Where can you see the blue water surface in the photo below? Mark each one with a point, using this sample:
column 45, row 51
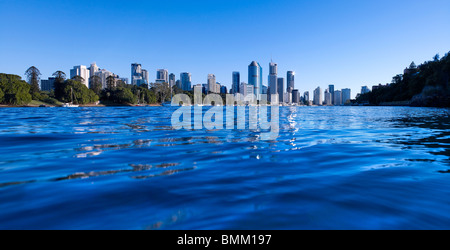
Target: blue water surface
column 127, row 168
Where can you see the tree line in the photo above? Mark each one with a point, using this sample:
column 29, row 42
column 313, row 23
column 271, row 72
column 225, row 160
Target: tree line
column 425, row 85
column 15, row 91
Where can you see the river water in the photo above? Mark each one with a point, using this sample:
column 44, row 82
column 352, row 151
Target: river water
column 127, row 168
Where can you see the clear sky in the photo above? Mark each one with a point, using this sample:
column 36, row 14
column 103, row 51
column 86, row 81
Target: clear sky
column 348, row 43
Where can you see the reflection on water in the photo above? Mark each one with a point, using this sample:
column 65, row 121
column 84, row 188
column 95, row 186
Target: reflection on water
column 127, row 168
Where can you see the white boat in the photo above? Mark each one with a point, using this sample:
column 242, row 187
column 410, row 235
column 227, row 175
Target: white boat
column 70, row 105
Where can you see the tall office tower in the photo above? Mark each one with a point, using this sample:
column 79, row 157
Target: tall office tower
column 364, row 90
column 306, row 97
column 273, row 84
column 145, row 76
column 178, row 84
column 162, row 76
column 280, row 83
column 255, row 78
column 172, row 80
column 317, row 96
column 186, row 81
column 331, row 90
column 327, row 96
column 346, row 95
column 337, row 98
column 103, row 74
column 82, row 71
column 93, row 69
column 138, row 75
column 290, row 81
column 296, row 96
column 211, row 81
column 236, row 79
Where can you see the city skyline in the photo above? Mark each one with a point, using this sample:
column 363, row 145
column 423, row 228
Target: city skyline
column 320, row 41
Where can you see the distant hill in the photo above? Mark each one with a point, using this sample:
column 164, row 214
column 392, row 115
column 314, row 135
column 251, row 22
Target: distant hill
column 426, row 85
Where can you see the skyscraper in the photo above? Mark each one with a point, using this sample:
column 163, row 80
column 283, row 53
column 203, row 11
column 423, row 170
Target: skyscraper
column 331, row 90
column 236, row 79
column 273, row 84
column 138, row 75
column 162, row 76
column 327, row 96
column 186, row 81
column 280, row 83
column 346, row 95
column 172, row 80
column 317, row 96
column 306, row 97
column 82, row 71
column 145, row 76
column 211, row 81
column 295, row 96
column 290, row 81
column 93, row 69
column 255, row 77
column 337, row 98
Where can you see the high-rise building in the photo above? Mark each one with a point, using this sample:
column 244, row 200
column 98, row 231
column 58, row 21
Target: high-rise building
column 186, row 81
column 246, row 89
column 290, row 81
column 236, row 79
column 93, row 69
column 280, row 83
column 104, row 74
column 255, row 78
column 273, row 84
column 82, row 71
column 145, row 76
column 48, row 85
column 211, row 81
column 139, row 76
column 306, row 97
column 328, row 99
column 331, row 90
column 172, row 80
column 162, row 76
column 178, row 84
column 364, row 90
column 223, row 89
column 346, row 95
column 317, row 96
column 337, row 98
column 296, row 96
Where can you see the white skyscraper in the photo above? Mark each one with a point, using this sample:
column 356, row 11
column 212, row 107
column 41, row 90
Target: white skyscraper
column 317, row 96
column 328, row 98
column 82, row 71
column 93, row 69
column 211, row 83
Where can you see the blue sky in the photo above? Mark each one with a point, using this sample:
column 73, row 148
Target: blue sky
column 348, row 43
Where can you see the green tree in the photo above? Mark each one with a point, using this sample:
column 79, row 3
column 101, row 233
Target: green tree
column 60, row 78
column 96, row 84
column 15, row 90
column 33, row 77
column 78, row 79
column 124, row 96
column 110, row 83
column 162, row 91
